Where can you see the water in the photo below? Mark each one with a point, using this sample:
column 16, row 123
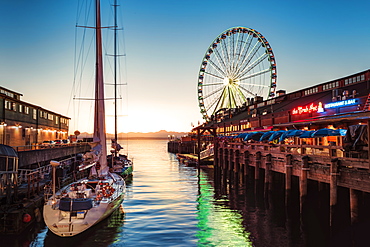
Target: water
column 168, row 204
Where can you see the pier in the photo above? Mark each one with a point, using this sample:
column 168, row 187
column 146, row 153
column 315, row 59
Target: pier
column 24, row 184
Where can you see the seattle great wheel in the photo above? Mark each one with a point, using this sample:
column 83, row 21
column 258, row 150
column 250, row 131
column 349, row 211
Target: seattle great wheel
column 237, row 66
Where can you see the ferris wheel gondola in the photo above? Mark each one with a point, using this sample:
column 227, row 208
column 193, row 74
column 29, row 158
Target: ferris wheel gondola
column 237, row 66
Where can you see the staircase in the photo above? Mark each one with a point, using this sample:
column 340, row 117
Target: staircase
column 367, row 104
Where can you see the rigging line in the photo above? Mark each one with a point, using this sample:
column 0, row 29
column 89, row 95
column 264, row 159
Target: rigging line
column 248, row 58
column 253, row 64
column 243, row 52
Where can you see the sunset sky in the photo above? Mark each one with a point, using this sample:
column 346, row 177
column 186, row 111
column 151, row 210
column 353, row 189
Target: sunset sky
column 165, row 41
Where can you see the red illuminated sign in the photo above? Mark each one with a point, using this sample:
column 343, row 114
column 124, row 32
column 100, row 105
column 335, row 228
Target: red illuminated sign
column 307, row 109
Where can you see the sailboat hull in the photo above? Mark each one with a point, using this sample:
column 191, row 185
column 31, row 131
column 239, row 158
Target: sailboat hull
column 66, row 216
column 69, row 229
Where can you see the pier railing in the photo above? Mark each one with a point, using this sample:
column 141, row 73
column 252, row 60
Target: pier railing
column 319, row 153
column 37, row 146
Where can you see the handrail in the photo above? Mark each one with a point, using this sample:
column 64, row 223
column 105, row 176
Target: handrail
column 39, row 146
column 301, row 149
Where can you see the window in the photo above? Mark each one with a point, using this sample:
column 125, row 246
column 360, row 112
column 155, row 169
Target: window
column 27, row 110
column 34, row 114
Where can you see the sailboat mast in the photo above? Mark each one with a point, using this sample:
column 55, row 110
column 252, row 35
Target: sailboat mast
column 115, row 73
column 99, row 117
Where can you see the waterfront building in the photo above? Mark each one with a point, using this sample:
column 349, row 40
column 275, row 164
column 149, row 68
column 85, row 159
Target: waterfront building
column 23, row 123
column 305, row 108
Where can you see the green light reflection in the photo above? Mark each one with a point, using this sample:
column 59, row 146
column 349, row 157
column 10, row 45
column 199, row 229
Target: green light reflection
column 218, row 225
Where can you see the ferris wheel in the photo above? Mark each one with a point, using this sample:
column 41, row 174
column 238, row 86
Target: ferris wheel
column 237, row 66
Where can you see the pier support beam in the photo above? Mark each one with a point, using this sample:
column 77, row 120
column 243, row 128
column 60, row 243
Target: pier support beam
column 354, row 196
column 334, row 173
column 258, row 164
column 268, row 172
column 288, row 178
column 303, row 181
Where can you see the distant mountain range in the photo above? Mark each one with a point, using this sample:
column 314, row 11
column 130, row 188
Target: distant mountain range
column 162, row 134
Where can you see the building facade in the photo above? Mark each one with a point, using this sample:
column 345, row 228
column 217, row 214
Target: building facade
column 22, row 123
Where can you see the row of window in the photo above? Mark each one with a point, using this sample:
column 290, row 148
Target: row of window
column 330, row 85
column 7, row 93
column 311, row 91
column 12, row 106
column 354, row 79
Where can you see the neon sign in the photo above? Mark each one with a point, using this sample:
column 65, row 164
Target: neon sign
column 307, row 109
column 341, row 103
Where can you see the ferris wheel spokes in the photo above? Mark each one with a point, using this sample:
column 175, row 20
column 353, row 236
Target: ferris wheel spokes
column 213, row 84
column 251, row 84
column 249, row 92
column 212, row 93
column 217, row 68
column 252, row 65
column 248, row 58
column 255, row 74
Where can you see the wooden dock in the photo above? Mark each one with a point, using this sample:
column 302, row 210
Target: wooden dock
column 324, row 166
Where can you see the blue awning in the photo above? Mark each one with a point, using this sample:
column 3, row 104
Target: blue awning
column 294, row 133
column 285, row 135
column 307, row 134
column 253, row 136
column 266, row 136
column 241, row 135
column 276, row 135
column 329, row 132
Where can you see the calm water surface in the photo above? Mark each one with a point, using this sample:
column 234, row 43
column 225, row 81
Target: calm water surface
column 168, row 204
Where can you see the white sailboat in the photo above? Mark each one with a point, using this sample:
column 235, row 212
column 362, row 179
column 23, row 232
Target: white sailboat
column 82, row 204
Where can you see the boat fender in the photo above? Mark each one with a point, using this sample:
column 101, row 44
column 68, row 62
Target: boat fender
column 26, row 218
column 107, row 191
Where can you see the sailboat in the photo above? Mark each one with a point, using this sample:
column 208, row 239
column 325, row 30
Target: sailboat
column 119, row 163
column 84, row 203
